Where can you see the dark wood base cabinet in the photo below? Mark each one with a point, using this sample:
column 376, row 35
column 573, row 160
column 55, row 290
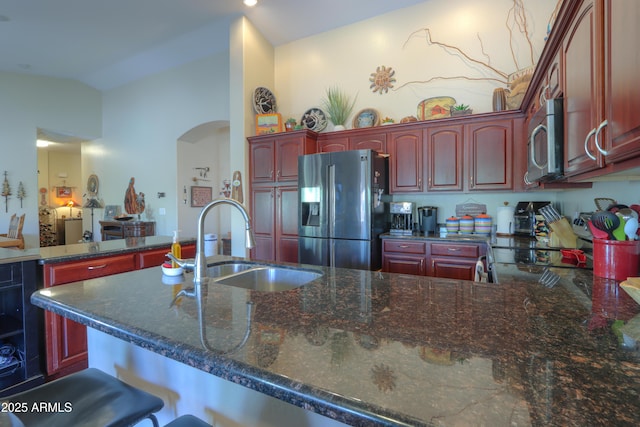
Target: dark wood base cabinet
column 431, row 258
column 66, row 340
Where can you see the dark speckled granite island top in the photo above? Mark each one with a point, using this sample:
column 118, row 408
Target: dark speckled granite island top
column 370, row 348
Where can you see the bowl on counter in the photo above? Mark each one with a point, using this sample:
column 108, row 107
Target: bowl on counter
column 167, row 270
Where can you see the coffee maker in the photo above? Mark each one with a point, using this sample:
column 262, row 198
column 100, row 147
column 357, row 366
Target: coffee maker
column 401, row 218
column 428, row 219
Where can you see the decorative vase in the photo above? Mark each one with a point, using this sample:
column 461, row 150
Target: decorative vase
column 338, row 127
column 499, row 99
column 288, row 126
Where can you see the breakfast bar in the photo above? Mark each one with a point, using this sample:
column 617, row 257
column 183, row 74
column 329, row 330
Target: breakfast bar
column 372, row 348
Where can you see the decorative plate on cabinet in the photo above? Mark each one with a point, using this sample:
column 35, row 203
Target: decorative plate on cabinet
column 264, row 102
column 366, row 118
column 435, row 108
column 314, row 119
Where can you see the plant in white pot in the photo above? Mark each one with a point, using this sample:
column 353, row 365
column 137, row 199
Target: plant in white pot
column 338, row 106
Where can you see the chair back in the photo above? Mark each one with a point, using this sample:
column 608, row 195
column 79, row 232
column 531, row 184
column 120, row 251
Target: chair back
column 15, row 226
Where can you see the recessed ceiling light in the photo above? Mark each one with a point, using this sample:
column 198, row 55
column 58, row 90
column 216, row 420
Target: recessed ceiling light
column 250, row 3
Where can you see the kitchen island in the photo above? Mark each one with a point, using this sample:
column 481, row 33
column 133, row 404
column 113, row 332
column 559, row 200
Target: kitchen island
column 366, row 348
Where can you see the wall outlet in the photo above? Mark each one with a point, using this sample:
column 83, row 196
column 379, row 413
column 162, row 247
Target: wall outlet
column 162, row 211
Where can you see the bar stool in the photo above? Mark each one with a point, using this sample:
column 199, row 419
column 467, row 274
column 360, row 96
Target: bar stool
column 187, row 421
column 86, row 398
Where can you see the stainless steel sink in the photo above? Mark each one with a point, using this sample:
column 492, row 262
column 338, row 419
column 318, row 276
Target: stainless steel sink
column 229, row 268
column 264, row 278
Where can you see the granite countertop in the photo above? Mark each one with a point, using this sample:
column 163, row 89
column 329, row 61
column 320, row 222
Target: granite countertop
column 378, row 348
column 78, row 251
column 18, row 255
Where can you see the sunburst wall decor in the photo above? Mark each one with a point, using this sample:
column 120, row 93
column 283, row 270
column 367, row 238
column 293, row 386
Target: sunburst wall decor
column 382, row 80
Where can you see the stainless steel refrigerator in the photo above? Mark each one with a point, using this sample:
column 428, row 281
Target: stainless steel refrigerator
column 341, row 213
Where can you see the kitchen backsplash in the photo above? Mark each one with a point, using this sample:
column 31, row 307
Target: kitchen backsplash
column 568, row 202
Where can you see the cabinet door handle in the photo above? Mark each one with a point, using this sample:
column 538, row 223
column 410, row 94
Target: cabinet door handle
column 586, row 142
column 543, row 95
column 96, row 267
column 602, row 125
column 453, row 249
column 404, row 246
column 271, row 174
column 420, row 183
column 278, row 175
column 526, row 178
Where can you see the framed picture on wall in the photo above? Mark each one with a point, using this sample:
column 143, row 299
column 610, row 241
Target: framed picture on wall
column 63, row 192
column 200, row 196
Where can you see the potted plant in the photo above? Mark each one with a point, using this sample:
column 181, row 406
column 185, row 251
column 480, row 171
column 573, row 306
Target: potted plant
column 460, row 110
column 290, row 124
column 338, row 106
column 387, row 121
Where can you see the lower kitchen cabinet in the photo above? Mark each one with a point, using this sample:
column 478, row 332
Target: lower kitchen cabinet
column 275, row 223
column 432, row 258
column 66, row 340
column 454, row 260
column 404, row 256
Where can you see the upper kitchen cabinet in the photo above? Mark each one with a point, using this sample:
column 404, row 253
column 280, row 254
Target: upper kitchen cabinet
column 355, row 139
column 621, row 124
column 489, row 149
column 602, row 97
column 443, row 155
column 275, row 156
column 581, row 91
column 472, row 154
column 405, row 160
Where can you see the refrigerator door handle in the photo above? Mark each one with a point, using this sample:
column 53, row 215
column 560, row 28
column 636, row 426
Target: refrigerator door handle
column 332, row 200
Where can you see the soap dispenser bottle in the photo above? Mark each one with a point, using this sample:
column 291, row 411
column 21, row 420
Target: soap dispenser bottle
column 176, row 249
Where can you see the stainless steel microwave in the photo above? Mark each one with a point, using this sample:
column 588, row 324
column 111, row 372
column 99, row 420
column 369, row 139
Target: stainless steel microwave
column 545, row 145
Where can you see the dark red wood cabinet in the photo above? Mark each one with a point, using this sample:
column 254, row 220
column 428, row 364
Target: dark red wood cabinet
column 66, row 340
column 273, row 162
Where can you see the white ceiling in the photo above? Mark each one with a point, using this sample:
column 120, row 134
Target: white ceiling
column 106, row 43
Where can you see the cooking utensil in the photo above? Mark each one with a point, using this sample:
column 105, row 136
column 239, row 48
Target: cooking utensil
column 603, row 203
column 596, row 232
column 606, row 221
column 618, row 232
column 631, row 228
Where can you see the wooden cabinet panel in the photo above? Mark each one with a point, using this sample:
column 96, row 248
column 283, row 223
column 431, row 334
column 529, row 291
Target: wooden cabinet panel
column 621, row 69
column 156, row 257
column 287, row 224
column 262, row 169
column 458, row 250
column 333, row 144
column 459, row 269
column 263, row 211
column 369, row 141
column 65, row 340
column 403, row 264
column 404, row 256
column 580, row 92
column 287, row 152
column 405, row 163
column 58, row 274
column 490, row 154
column 443, row 158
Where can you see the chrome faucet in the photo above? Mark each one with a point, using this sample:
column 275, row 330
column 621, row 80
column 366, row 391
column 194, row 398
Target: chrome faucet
column 200, row 263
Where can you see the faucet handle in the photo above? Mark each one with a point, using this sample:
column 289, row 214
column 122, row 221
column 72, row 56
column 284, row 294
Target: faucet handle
column 188, row 264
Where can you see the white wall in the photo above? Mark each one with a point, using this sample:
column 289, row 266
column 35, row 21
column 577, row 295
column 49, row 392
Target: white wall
column 142, row 124
column 26, row 104
column 347, row 56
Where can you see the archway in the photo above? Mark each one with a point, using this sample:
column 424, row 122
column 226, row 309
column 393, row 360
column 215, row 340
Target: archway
column 203, row 162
